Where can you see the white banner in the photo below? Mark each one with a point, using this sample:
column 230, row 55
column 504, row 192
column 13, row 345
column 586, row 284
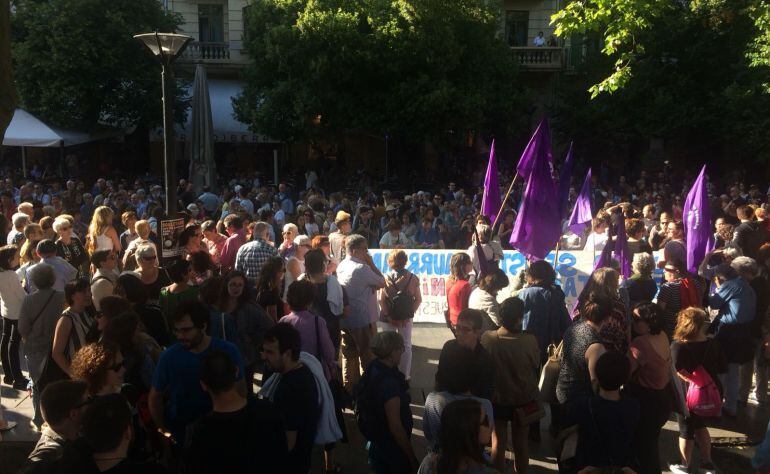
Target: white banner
column 432, row 267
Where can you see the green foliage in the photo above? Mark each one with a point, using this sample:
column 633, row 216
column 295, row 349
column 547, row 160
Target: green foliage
column 685, row 77
column 77, row 64
column 412, row 68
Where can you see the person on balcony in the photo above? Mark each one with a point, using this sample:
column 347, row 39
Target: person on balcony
column 539, row 40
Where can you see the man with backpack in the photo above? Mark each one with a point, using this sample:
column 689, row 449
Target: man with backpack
column 399, row 300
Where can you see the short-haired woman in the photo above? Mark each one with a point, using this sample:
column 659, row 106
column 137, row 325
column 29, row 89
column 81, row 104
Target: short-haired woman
column 101, row 367
column 465, row 430
column 314, row 336
column 153, row 277
column 650, row 378
column 11, row 298
column 401, row 287
column 179, row 290
column 76, row 325
column 329, row 301
column 691, row 348
column 641, row 286
column 484, row 297
column 143, row 232
column 40, row 312
column 69, row 248
column 516, row 359
column 385, row 387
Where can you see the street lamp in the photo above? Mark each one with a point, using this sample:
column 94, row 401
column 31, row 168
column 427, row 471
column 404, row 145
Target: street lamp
column 167, row 47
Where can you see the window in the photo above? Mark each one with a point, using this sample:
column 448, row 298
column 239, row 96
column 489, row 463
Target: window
column 516, row 27
column 211, row 24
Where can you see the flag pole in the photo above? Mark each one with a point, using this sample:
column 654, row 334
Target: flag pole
column 502, row 206
column 556, row 257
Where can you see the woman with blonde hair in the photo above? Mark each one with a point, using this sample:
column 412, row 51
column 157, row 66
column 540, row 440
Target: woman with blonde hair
column 143, row 231
column 68, row 246
column 101, row 233
column 692, row 349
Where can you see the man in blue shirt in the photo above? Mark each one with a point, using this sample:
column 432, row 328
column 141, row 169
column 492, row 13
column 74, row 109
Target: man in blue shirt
column 736, row 302
column 428, row 237
column 177, row 398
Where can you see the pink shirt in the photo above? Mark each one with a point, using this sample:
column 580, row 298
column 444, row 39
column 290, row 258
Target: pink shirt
column 215, row 246
column 230, row 250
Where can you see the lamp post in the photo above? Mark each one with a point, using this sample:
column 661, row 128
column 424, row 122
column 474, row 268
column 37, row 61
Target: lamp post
column 167, row 47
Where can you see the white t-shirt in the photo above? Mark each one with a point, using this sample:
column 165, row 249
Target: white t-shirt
column 539, row 41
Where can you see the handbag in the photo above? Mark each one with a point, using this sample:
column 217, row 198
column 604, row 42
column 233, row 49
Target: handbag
column 51, row 373
column 549, row 375
column 530, row 413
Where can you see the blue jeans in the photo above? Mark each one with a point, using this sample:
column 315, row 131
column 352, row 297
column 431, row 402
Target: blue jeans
column 35, row 363
column 730, row 384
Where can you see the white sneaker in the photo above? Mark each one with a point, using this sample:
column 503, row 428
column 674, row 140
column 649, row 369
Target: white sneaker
column 709, row 468
column 679, row 469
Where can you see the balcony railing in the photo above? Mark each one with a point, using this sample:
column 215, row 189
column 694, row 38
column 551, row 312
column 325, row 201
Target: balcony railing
column 539, row 58
column 207, row 51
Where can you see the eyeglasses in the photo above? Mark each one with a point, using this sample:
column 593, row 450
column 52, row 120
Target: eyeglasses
column 149, row 257
column 118, row 365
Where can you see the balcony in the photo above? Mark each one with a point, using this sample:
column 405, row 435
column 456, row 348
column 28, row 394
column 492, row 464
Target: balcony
column 539, row 58
column 206, row 52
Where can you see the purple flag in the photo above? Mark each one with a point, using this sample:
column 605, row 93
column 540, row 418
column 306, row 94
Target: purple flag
column 581, row 214
column 539, row 145
column 491, row 202
column 565, row 179
column 621, row 252
column 538, row 224
column 697, row 223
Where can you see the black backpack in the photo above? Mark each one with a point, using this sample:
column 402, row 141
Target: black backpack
column 370, row 416
column 401, row 304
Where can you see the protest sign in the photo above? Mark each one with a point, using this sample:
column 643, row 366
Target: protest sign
column 169, row 237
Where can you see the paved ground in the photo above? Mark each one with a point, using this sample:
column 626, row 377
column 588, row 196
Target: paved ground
column 732, row 438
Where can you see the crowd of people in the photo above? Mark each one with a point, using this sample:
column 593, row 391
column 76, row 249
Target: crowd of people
column 248, row 348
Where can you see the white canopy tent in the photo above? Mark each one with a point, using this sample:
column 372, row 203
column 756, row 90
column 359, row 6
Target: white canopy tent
column 26, row 130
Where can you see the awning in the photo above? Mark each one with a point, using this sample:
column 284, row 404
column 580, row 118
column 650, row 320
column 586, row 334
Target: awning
column 27, row 130
column 226, row 128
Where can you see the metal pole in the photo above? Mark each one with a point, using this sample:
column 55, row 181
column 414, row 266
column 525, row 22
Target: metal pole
column 24, row 161
column 169, row 157
column 387, row 153
column 275, row 166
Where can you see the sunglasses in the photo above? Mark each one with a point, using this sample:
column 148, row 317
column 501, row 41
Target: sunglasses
column 149, row 257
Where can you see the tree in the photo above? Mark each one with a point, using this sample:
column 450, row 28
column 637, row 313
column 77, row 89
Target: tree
column 686, row 77
column 7, row 91
column 415, row 69
column 77, row 64
column 629, row 26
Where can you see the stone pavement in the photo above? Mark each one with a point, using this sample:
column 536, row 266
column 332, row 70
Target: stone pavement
column 733, row 438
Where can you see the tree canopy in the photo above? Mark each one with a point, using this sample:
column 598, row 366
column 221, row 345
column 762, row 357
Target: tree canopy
column 77, row 64
column 413, row 68
column 680, row 71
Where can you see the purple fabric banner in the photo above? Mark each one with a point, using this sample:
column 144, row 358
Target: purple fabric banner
column 491, row 202
column 565, row 180
column 539, row 145
column 538, row 224
column 621, row 252
column 697, row 223
column 581, row 214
